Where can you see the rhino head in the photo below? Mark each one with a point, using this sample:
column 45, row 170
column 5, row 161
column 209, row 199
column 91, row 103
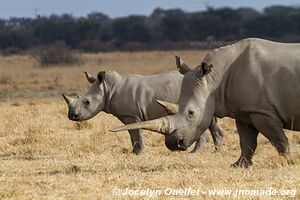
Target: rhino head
column 87, row 106
column 191, row 116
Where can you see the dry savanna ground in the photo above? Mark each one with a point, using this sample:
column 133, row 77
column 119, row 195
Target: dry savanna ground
column 43, row 155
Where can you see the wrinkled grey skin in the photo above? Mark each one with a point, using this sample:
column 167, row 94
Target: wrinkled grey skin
column 253, row 81
column 132, row 98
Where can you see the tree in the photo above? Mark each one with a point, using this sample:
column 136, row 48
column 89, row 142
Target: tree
column 174, row 25
column 132, row 28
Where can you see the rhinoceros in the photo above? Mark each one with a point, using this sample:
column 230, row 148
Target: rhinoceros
column 132, row 98
column 254, row 81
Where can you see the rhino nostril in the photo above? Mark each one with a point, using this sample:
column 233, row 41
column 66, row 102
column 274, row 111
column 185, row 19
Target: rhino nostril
column 181, row 144
column 73, row 116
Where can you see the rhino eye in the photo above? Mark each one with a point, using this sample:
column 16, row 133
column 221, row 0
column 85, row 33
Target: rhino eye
column 190, row 114
column 86, row 102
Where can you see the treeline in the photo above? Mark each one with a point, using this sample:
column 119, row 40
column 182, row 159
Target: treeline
column 163, row 29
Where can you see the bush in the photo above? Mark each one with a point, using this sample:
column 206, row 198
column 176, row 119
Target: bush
column 96, row 46
column 11, row 51
column 55, row 54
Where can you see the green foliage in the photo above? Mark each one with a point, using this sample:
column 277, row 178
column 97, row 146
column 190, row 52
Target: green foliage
column 132, row 28
column 163, row 29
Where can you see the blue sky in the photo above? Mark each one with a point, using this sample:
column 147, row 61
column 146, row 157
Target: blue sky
column 116, row 8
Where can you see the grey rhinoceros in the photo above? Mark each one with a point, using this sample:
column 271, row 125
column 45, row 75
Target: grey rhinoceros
column 132, row 98
column 254, row 81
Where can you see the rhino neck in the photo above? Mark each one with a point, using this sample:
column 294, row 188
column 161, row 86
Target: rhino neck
column 110, row 85
column 107, row 96
column 222, row 60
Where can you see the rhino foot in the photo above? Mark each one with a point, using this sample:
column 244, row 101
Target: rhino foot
column 137, row 148
column 242, row 163
column 218, row 148
column 288, row 158
column 290, row 162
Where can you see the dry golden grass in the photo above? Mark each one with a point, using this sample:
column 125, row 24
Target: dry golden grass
column 22, row 73
column 43, row 155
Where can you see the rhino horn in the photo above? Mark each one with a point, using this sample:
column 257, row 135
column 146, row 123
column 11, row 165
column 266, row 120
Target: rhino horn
column 171, row 108
column 182, row 67
column 90, row 77
column 67, row 99
column 160, row 125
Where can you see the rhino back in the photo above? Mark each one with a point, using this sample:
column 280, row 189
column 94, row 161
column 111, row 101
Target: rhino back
column 136, row 95
column 265, row 78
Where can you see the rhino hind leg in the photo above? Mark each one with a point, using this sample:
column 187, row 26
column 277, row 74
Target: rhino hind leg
column 248, row 142
column 216, row 133
column 272, row 129
column 200, row 143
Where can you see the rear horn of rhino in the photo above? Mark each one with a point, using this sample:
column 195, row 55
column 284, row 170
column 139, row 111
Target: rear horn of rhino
column 171, row 108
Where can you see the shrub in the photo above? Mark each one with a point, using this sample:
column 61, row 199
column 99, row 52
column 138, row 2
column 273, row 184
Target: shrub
column 11, row 51
column 55, row 54
column 96, row 46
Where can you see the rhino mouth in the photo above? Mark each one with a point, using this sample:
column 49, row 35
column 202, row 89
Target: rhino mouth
column 181, row 145
column 75, row 118
column 175, row 144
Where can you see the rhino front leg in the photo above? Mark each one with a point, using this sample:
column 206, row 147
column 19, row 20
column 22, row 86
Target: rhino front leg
column 248, row 142
column 200, row 143
column 137, row 141
column 136, row 137
column 216, row 133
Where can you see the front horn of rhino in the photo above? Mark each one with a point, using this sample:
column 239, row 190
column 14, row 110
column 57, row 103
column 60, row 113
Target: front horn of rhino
column 67, row 99
column 160, row 125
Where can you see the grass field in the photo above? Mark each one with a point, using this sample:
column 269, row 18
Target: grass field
column 43, row 155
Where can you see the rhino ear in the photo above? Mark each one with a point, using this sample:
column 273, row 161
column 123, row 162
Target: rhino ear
column 204, row 69
column 90, row 77
column 181, row 66
column 101, row 76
